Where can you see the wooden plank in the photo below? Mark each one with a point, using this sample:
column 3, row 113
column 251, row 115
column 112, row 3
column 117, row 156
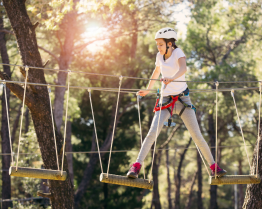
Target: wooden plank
column 37, row 173
column 125, row 181
column 234, row 179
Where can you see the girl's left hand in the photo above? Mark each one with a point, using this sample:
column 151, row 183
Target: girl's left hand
column 166, row 80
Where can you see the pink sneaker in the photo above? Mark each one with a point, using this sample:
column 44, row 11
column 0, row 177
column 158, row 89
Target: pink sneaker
column 220, row 172
column 134, row 171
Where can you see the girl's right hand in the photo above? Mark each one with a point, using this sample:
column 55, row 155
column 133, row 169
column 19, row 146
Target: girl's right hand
column 142, row 93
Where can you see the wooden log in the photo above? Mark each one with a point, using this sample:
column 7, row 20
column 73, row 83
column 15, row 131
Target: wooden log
column 37, row 173
column 235, row 179
column 125, row 181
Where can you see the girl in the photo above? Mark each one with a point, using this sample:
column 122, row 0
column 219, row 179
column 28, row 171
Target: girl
column 171, row 63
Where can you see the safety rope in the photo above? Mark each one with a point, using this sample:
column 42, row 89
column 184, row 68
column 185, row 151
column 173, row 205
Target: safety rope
column 49, row 91
column 21, row 123
column 140, row 127
column 120, row 82
column 232, row 94
column 161, row 101
column 217, row 84
column 63, row 156
column 137, row 78
column 203, row 159
column 258, row 128
column 7, row 117
column 95, row 130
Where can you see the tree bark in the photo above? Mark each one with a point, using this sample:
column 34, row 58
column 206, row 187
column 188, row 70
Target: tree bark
column 189, row 202
column 6, row 181
column 240, row 186
column 168, row 180
column 156, row 197
column 65, row 59
column 37, row 100
column 212, row 136
column 16, row 123
column 178, row 176
column 69, row 148
column 199, row 182
column 27, row 120
column 253, row 191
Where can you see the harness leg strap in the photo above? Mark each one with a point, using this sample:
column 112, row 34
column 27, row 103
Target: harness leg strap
column 181, row 112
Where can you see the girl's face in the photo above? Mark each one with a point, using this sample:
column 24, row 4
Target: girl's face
column 161, row 45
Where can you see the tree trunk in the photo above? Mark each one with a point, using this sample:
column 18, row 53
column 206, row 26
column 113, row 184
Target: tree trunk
column 240, row 186
column 27, row 120
column 69, row 148
column 212, row 136
column 199, row 182
column 37, row 100
column 6, row 181
column 189, row 201
column 253, row 191
column 178, row 176
column 156, row 197
column 16, row 123
column 168, row 180
column 66, row 57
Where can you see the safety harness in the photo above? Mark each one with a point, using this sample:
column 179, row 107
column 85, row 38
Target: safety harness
column 169, row 105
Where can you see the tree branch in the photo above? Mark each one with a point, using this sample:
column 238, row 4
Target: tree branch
column 50, row 53
column 18, row 91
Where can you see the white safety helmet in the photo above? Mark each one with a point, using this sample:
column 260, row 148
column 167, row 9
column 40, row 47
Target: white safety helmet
column 166, row 33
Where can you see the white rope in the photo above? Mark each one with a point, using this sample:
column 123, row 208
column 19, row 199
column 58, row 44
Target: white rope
column 232, row 94
column 216, row 130
column 63, row 156
column 203, row 160
column 49, row 91
column 140, row 127
column 95, row 130
column 258, row 128
column 21, row 123
column 7, row 115
column 160, row 102
column 120, row 82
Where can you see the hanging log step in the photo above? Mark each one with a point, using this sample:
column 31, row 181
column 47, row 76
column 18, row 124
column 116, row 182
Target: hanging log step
column 37, row 173
column 124, row 181
column 235, row 179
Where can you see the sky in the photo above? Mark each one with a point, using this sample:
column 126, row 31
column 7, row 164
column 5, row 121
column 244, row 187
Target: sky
column 181, row 15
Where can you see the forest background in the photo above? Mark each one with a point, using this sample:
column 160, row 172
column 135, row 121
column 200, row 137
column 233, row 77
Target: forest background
column 222, row 42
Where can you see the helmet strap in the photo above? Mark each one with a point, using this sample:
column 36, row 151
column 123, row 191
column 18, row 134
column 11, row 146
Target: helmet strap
column 167, row 47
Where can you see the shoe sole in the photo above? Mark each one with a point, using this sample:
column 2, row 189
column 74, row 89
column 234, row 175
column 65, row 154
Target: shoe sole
column 222, row 174
column 131, row 176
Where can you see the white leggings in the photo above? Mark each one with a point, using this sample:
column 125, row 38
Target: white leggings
column 190, row 121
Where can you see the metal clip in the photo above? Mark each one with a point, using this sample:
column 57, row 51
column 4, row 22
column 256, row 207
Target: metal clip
column 169, row 123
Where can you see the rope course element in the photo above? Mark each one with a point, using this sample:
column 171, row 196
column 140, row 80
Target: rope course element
column 140, row 128
column 258, row 128
column 129, row 90
column 8, row 124
column 97, row 143
column 161, row 102
column 232, row 94
column 32, row 172
column 51, row 109
column 21, row 123
column 120, row 82
column 129, row 77
column 217, row 84
column 63, row 156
